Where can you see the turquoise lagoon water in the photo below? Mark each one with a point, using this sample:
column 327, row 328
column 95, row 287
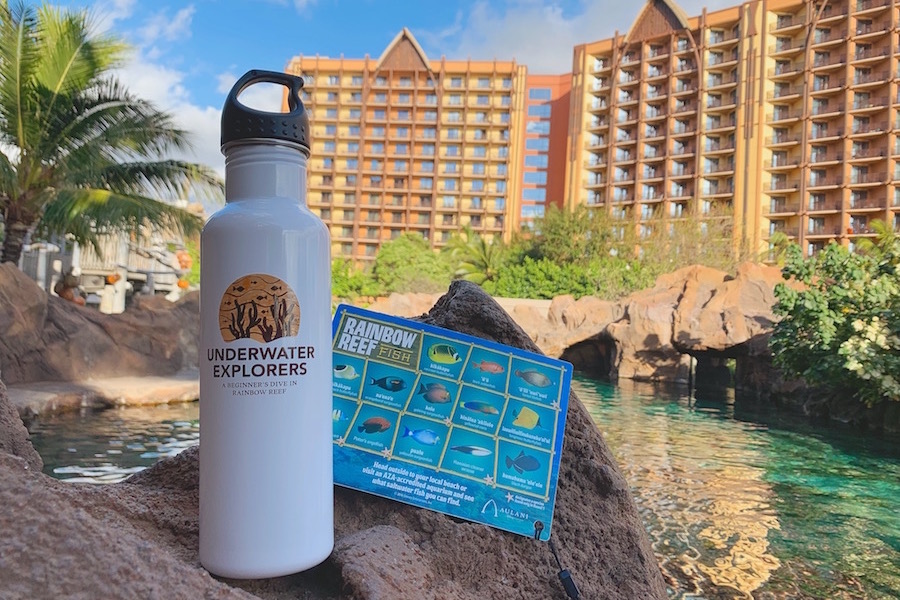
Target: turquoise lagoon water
column 737, row 505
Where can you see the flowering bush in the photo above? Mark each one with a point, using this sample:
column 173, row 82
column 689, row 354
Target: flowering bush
column 842, row 330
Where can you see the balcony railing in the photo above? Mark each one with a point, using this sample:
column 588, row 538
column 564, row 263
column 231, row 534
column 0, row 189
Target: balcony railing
column 859, row 178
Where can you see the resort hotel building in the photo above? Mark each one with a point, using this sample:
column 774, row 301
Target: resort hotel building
column 775, row 116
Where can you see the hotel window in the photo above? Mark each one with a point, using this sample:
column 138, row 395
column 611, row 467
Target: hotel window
column 381, row 97
column 378, row 148
column 428, row 149
column 352, row 146
column 452, row 150
column 541, row 111
column 381, row 80
column 427, row 166
column 451, row 168
column 330, row 129
column 816, row 225
column 404, row 98
column 334, row 80
column 353, row 130
column 401, row 132
column 543, row 128
column 535, row 177
column 501, row 170
column 534, row 194
column 454, row 116
column 484, row 82
column 456, row 82
column 350, row 180
column 478, row 168
column 380, row 114
column 429, row 133
column 482, row 100
column 504, row 118
column 378, row 131
column 431, row 115
column 375, row 180
column 540, row 144
column 329, row 146
column 503, row 152
column 456, row 100
column 479, row 151
column 505, row 100
column 309, row 80
column 448, row 185
column 328, row 162
column 356, row 80
column 401, row 165
column 403, row 115
column 862, row 75
column 351, row 163
column 376, row 165
column 431, row 99
column 536, row 160
column 326, row 196
column 501, row 187
column 355, row 113
column 477, row 186
column 506, row 83
column 331, row 113
column 426, row 184
column 454, row 133
column 406, row 82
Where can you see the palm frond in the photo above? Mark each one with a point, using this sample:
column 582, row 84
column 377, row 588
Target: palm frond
column 71, row 56
column 19, row 30
column 84, row 213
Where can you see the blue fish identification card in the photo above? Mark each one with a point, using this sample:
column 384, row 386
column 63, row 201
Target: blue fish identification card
column 447, row 421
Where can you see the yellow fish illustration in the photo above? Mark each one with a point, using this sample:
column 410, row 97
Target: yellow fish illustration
column 527, row 419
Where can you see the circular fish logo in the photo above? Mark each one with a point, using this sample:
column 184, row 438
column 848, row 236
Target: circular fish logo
column 259, row 307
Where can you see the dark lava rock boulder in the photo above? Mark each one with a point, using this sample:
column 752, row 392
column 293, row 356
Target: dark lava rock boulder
column 139, row 538
column 45, row 338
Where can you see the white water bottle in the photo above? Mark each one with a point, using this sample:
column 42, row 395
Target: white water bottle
column 266, row 495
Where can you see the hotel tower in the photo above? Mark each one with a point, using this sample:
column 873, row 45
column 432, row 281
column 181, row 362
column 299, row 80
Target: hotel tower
column 780, row 116
column 403, row 143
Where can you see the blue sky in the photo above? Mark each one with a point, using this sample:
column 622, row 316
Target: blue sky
column 187, row 55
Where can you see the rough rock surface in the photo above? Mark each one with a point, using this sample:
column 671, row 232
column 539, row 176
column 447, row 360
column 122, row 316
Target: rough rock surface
column 649, row 335
column 45, row 338
column 138, row 539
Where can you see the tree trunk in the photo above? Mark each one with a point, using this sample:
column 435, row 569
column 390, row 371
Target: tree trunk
column 16, row 232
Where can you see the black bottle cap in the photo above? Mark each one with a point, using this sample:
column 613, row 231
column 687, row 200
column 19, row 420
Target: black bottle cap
column 240, row 122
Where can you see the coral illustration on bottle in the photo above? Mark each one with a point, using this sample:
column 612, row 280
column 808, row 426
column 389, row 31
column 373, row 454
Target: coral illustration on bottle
column 259, row 307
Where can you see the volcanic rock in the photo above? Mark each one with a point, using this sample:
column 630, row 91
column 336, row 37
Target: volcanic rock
column 139, row 538
column 45, row 338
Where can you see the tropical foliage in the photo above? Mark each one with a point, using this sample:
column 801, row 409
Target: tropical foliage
column 580, row 252
column 81, row 154
column 408, row 264
column 841, row 330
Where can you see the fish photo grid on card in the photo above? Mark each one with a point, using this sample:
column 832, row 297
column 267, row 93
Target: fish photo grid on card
column 446, row 421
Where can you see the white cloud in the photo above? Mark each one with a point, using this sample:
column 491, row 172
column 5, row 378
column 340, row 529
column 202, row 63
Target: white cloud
column 111, row 11
column 164, row 86
column 160, row 27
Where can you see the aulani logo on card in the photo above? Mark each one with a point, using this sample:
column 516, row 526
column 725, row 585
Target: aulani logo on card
column 484, row 509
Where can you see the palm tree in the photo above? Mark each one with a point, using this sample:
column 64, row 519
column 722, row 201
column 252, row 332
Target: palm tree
column 80, row 154
column 477, row 259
